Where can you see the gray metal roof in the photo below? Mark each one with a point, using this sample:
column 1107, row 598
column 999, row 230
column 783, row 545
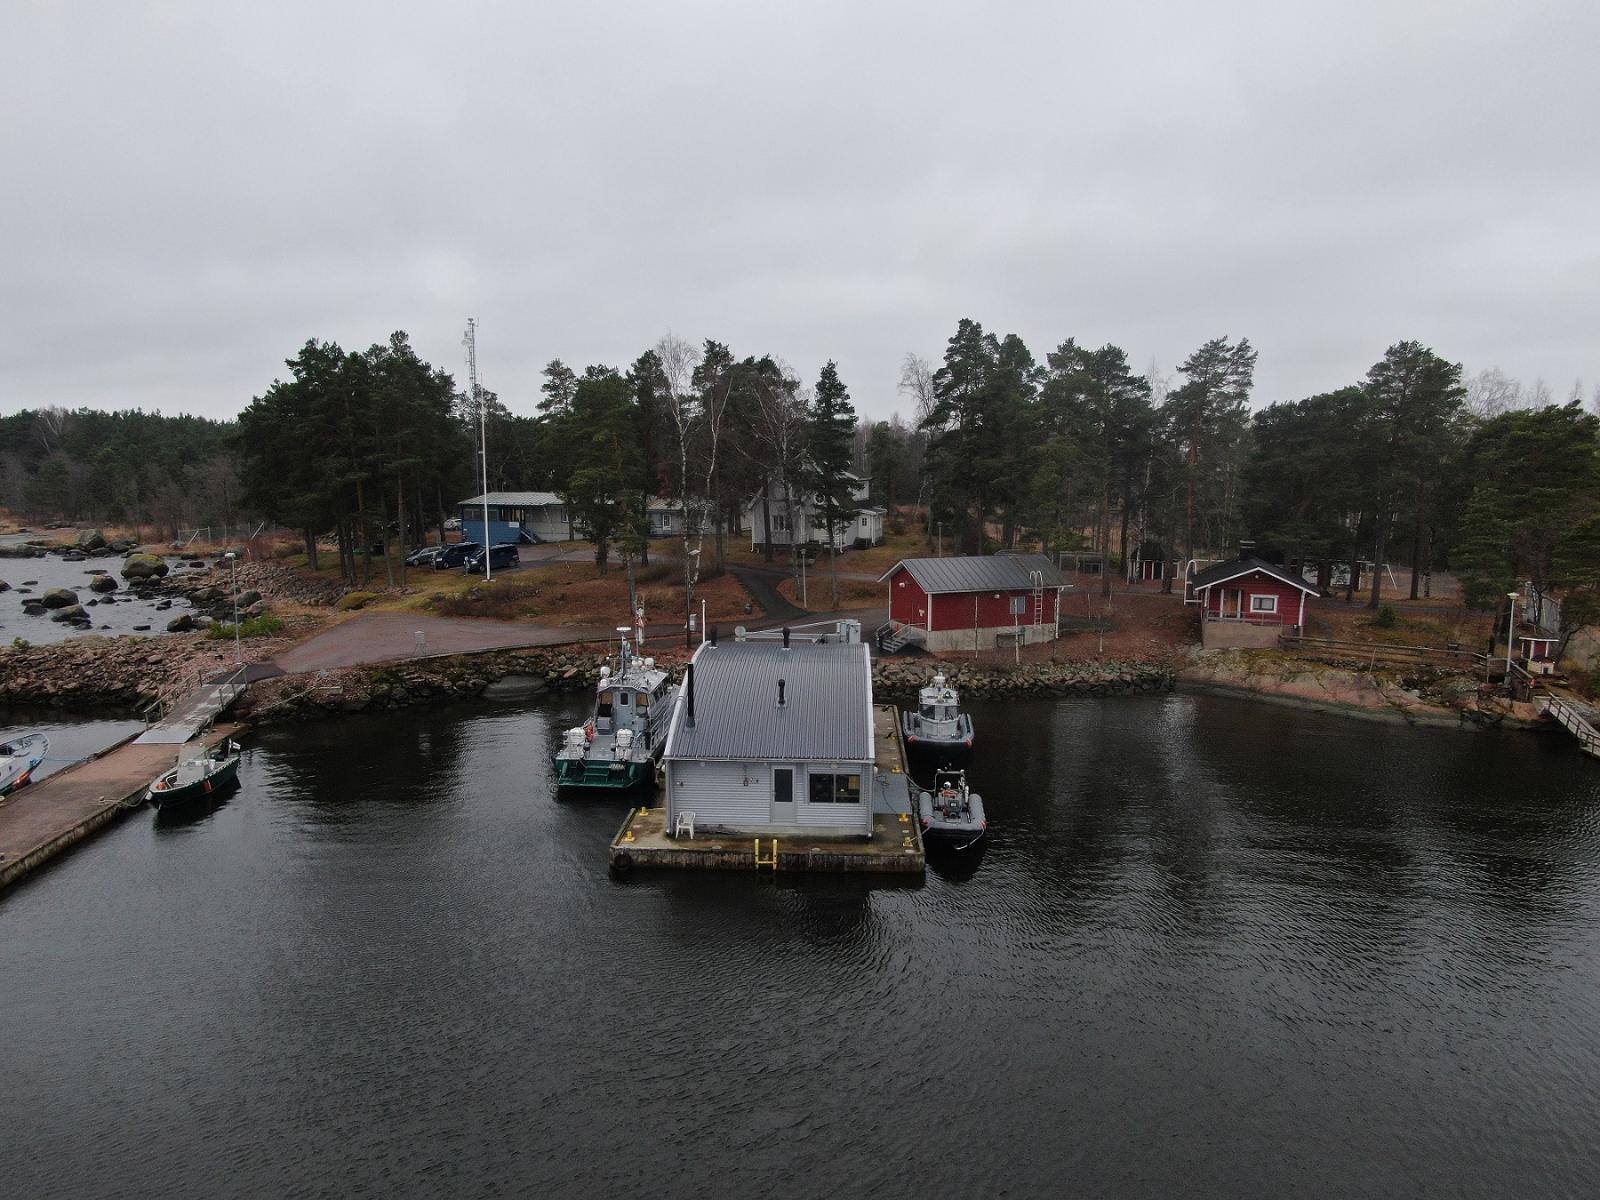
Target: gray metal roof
column 827, row 715
column 516, row 499
column 998, row 572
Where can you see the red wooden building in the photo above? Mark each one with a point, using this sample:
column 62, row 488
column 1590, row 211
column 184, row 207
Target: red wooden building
column 966, row 603
column 1248, row 602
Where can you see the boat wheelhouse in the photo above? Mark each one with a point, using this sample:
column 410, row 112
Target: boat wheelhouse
column 620, row 743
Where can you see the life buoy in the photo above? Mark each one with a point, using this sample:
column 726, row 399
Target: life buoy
column 588, row 730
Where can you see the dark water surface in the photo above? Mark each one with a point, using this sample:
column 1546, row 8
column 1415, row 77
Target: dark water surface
column 1215, row 948
column 73, row 736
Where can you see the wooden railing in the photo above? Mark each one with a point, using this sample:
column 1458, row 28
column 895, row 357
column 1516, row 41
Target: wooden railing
column 1574, row 722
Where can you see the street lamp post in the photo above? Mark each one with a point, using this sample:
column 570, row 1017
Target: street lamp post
column 233, row 586
column 1511, row 633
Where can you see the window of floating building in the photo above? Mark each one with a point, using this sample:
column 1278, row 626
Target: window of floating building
column 835, row 789
column 1264, row 604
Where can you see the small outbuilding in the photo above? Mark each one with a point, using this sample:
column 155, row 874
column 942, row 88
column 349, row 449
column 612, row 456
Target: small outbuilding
column 972, row 602
column 1248, row 602
column 773, row 739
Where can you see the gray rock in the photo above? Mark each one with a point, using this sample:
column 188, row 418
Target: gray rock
column 73, row 612
column 143, row 566
column 74, row 556
column 258, row 609
column 32, row 608
column 59, row 598
column 514, row 687
column 180, row 624
column 246, row 599
column 102, row 583
column 4, row 586
column 90, row 539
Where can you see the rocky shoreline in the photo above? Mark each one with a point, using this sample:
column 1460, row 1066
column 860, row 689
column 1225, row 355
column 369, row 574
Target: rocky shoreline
column 509, row 674
column 1419, row 695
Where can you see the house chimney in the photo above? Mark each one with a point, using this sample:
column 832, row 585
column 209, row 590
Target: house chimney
column 781, row 701
column 785, row 637
column 689, row 688
column 1246, row 549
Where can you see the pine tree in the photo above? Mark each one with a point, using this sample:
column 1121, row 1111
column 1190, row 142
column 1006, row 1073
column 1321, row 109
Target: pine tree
column 831, row 452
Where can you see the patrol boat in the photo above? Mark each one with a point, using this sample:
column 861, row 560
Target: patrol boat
column 938, row 725
column 952, row 813
column 618, row 746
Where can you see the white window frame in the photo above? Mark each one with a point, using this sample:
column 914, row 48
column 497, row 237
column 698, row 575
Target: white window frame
column 1263, row 604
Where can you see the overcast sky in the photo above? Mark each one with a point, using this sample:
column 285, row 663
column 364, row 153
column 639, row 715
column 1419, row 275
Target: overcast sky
column 192, row 191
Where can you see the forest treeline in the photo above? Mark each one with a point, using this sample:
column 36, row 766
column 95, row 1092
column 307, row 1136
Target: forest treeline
column 1074, row 451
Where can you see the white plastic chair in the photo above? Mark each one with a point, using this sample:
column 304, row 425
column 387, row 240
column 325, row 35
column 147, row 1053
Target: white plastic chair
column 685, row 821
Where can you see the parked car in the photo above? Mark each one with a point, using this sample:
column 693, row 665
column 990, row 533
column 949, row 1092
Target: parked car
column 501, row 556
column 424, row 556
column 454, row 555
column 453, row 524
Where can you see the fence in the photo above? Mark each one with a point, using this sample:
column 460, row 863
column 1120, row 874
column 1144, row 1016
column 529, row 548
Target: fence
column 1388, row 651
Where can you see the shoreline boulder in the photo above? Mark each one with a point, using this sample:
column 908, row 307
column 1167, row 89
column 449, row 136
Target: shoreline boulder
column 59, row 598
column 143, row 566
column 102, row 583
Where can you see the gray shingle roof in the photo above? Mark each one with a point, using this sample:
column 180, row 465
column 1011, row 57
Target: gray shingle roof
column 1234, row 567
column 827, row 715
column 999, row 572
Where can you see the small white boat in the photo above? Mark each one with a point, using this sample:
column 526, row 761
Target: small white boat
column 938, row 724
column 18, row 759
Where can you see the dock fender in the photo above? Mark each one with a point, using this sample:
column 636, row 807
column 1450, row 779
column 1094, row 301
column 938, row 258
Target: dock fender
column 622, row 862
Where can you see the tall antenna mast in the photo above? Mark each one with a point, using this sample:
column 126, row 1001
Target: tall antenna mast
column 470, row 341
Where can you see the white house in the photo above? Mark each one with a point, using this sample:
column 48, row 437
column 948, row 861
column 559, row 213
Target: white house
column 863, row 527
column 545, row 517
column 769, row 738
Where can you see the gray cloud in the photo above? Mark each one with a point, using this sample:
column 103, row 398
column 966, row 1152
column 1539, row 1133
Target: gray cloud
column 193, row 190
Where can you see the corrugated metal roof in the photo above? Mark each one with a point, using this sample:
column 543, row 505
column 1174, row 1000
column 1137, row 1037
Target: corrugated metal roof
column 1233, row 568
column 999, row 572
column 827, row 715
column 516, row 499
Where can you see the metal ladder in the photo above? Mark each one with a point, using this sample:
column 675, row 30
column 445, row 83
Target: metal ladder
column 767, row 862
column 1038, row 596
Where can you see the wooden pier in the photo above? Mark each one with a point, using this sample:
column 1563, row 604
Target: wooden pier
column 44, row 819
column 895, row 847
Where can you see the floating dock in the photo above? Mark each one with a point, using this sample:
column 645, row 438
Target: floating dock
column 44, row 819
column 895, row 847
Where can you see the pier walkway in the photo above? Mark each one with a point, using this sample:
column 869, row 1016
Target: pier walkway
column 43, row 819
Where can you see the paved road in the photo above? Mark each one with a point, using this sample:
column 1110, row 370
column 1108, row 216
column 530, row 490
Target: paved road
column 382, row 636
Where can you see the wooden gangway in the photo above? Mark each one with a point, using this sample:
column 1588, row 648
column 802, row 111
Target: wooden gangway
column 1573, row 719
column 193, row 707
